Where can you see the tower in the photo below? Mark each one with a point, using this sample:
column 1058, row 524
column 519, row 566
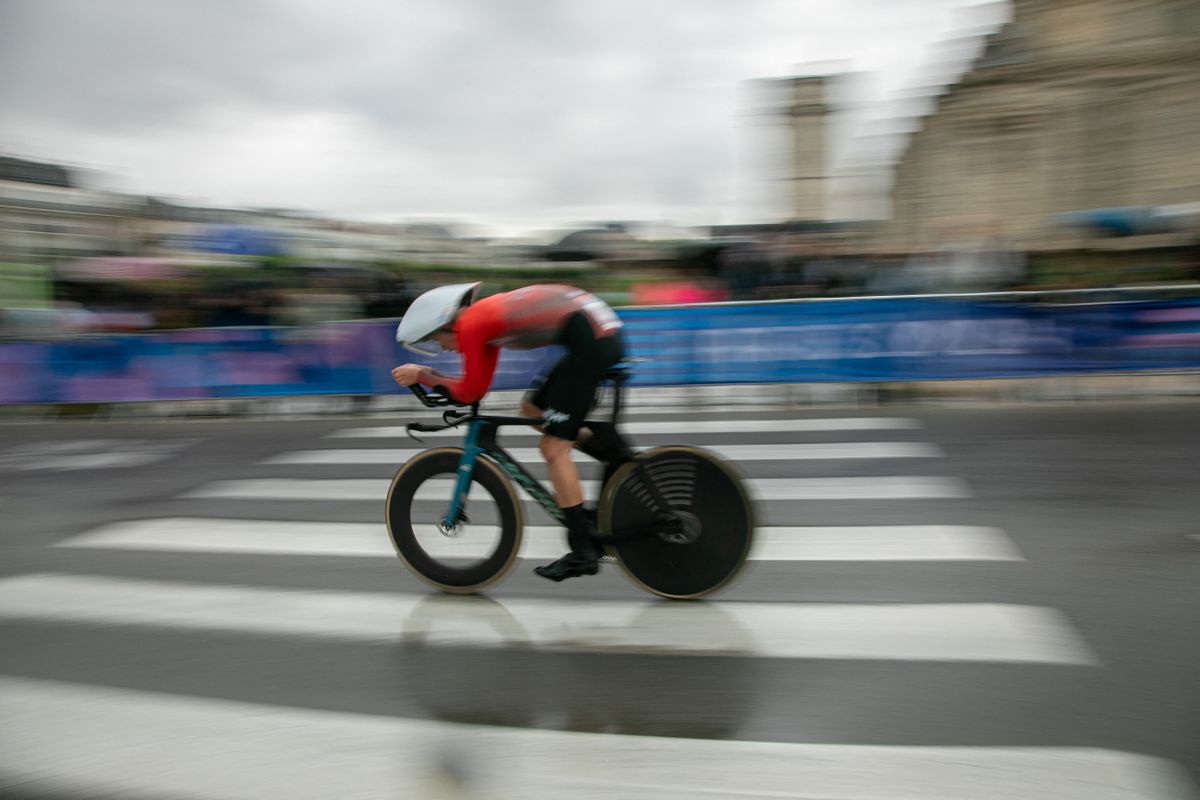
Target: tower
column 805, row 111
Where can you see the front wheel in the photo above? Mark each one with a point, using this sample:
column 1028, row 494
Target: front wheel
column 694, row 545
column 470, row 555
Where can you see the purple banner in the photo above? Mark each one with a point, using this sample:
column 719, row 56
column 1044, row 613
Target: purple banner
column 867, row 339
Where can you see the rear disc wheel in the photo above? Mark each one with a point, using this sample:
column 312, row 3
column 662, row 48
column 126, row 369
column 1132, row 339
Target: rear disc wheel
column 694, row 545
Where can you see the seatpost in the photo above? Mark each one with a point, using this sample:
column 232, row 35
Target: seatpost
column 617, row 380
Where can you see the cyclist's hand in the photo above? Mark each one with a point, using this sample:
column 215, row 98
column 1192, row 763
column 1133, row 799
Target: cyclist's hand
column 408, row 374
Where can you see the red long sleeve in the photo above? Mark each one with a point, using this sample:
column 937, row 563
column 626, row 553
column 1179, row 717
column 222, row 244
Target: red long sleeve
column 475, row 329
column 521, row 319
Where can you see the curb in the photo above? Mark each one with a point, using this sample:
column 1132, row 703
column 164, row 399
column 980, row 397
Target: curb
column 744, row 397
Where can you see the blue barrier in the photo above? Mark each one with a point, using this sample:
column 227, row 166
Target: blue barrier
column 870, row 339
column 886, row 339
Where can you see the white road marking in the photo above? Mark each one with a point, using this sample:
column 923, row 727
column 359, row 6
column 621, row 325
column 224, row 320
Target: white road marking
column 364, row 539
column 369, row 539
column 989, row 632
column 896, row 487
column 884, row 543
column 682, row 426
column 683, row 408
column 734, row 452
column 93, row 461
column 72, row 738
column 76, row 454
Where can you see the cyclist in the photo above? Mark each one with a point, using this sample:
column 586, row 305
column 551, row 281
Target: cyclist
column 450, row 318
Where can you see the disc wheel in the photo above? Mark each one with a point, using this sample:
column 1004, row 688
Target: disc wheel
column 712, row 522
column 470, row 555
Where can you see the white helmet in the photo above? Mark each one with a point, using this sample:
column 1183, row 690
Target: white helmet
column 431, row 312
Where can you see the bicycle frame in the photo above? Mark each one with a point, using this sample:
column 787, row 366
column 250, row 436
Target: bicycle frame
column 481, row 439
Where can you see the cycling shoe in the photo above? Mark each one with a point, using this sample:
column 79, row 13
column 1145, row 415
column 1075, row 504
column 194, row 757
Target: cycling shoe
column 571, row 565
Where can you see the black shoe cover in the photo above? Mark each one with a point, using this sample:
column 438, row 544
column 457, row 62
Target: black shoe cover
column 569, row 566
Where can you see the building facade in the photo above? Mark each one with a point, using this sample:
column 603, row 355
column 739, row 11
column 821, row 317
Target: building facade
column 47, row 218
column 1073, row 105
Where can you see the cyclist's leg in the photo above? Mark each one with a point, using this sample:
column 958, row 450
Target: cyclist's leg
column 534, row 401
column 565, row 400
column 564, row 475
column 599, row 438
column 569, row 393
column 557, row 451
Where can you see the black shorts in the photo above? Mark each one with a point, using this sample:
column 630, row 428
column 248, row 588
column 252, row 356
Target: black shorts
column 568, row 391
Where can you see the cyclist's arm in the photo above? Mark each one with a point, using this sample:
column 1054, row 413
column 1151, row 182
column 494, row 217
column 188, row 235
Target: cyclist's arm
column 479, row 366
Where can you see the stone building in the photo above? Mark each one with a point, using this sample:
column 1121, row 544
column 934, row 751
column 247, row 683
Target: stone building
column 1073, row 105
column 47, row 217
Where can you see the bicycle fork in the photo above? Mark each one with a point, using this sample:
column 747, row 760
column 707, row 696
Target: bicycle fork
column 456, row 515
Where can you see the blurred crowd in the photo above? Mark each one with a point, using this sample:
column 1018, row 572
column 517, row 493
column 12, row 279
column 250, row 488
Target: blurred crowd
column 293, row 296
column 130, row 294
column 781, row 269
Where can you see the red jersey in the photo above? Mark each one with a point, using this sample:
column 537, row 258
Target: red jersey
column 522, row 319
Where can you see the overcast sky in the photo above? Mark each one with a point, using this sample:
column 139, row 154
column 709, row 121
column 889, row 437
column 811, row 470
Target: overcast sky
column 513, row 114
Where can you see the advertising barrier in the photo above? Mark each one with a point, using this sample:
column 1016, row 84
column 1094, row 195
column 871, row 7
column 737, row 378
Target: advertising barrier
column 908, row 339
column 860, row 339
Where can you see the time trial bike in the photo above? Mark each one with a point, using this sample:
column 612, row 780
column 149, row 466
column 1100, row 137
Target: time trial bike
column 676, row 518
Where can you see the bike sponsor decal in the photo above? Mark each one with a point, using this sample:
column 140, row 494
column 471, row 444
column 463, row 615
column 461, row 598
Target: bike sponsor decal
column 530, row 485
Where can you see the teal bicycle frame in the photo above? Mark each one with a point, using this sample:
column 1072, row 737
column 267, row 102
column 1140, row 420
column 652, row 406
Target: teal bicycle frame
column 481, row 440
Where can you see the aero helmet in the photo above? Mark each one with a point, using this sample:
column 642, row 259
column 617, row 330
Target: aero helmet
column 430, row 313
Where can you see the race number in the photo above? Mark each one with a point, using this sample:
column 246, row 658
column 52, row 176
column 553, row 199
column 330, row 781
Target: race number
column 603, row 317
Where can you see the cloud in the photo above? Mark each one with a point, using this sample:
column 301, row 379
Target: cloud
column 522, row 109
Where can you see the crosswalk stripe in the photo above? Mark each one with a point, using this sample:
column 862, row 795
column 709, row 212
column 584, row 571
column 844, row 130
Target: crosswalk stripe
column 98, row 740
column 684, row 426
column 882, row 631
column 884, row 543
column 79, row 454
column 734, row 452
column 356, row 539
column 893, row 487
column 681, row 407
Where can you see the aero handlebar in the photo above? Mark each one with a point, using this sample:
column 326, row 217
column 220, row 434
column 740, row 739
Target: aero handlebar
column 451, row 417
column 431, row 399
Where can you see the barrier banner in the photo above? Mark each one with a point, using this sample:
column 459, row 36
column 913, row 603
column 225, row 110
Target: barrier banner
column 919, row 338
column 868, row 339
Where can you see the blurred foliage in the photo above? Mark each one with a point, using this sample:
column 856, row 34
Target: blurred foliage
column 1078, row 269
column 274, row 290
column 25, row 286
column 294, row 290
